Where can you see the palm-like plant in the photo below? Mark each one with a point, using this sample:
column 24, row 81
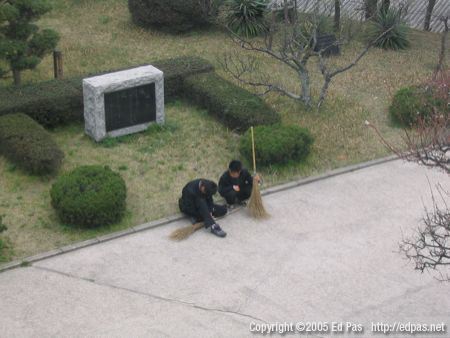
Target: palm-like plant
column 388, row 30
column 246, row 17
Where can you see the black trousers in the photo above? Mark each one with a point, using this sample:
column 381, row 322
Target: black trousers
column 234, row 197
column 202, row 213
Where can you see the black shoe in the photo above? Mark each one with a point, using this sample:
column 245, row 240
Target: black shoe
column 241, row 203
column 217, row 230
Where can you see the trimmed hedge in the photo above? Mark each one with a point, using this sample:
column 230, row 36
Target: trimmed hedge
column 177, row 70
column 50, row 103
column 28, row 145
column 277, row 144
column 411, row 103
column 89, row 196
column 236, row 107
column 174, row 16
column 58, row 102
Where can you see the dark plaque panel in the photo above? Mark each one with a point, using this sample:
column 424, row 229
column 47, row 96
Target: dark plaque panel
column 328, row 44
column 130, row 107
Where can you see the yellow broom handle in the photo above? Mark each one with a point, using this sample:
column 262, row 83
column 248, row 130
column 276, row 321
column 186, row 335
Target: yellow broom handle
column 253, row 151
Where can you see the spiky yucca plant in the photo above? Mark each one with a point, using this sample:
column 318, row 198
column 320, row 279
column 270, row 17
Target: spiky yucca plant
column 388, row 30
column 246, row 17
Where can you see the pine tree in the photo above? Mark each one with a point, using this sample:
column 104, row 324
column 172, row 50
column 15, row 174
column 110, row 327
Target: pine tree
column 22, row 43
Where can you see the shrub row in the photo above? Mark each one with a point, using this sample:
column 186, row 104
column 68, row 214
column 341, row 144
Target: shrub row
column 89, row 196
column 175, row 16
column 236, row 107
column 58, row 102
column 28, row 145
column 277, row 144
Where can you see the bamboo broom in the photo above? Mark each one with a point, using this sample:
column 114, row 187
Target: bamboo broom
column 255, row 204
column 183, row 233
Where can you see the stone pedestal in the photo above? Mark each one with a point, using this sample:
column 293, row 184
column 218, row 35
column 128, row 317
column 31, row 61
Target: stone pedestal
column 123, row 102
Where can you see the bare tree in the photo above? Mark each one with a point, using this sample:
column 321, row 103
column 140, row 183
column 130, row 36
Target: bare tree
column 295, row 46
column 429, row 144
column 429, row 247
column 428, row 14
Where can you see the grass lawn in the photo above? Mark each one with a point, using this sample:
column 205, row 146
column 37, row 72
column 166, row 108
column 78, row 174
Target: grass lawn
column 98, row 35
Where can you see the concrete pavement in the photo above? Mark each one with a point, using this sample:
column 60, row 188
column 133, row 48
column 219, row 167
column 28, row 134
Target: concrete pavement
column 329, row 253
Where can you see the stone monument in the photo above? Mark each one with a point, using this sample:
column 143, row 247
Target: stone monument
column 123, row 102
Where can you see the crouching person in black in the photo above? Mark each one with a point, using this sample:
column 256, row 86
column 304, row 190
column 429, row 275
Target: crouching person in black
column 236, row 184
column 197, row 202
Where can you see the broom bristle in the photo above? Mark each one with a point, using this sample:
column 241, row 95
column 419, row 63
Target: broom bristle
column 183, row 233
column 255, row 204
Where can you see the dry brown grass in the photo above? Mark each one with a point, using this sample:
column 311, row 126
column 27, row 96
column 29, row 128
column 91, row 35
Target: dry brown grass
column 98, row 35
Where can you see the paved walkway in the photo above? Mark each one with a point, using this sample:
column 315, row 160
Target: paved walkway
column 329, row 253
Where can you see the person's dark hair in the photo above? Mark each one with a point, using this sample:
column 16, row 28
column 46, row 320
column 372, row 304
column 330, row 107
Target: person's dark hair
column 235, row 166
column 210, row 187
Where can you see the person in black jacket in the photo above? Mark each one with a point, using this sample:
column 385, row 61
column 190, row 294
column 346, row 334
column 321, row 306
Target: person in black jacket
column 236, row 183
column 197, row 202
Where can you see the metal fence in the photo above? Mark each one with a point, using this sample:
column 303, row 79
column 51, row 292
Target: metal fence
column 354, row 9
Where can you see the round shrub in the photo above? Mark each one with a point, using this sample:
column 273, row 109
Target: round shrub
column 413, row 103
column 28, row 145
column 175, row 16
column 277, row 144
column 89, row 196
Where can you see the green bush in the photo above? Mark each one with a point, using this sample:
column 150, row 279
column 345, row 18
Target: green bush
column 28, row 145
column 277, row 144
column 58, row 102
column 388, row 30
column 236, row 107
column 5, row 249
column 89, row 196
column 175, row 16
column 246, row 17
column 50, row 103
column 413, row 103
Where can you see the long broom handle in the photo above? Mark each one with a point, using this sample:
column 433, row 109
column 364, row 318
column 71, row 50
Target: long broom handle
column 253, row 151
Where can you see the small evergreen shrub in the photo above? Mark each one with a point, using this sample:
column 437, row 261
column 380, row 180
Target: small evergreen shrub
column 388, row 30
column 28, row 145
column 246, row 17
column 89, row 196
column 5, row 249
column 277, row 144
column 58, row 102
column 413, row 103
column 234, row 106
column 174, row 16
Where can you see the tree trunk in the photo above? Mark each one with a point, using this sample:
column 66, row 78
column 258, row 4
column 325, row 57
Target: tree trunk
column 273, row 22
column 17, row 77
column 324, row 91
column 385, row 5
column 370, row 7
column 428, row 14
column 286, row 12
column 306, row 87
column 440, row 65
column 337, row 15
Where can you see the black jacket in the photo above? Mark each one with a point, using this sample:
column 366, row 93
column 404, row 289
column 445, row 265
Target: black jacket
column 244, row 181
column 191, row 195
